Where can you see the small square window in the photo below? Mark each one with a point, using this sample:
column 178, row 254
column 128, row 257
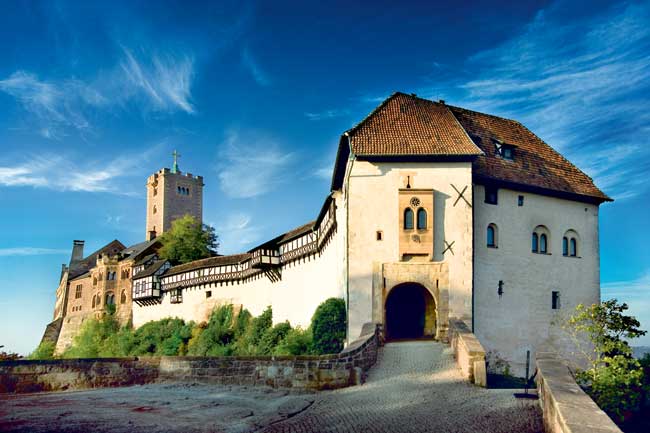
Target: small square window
column 491, row 195
column 555, row 300
column 520, row 200
column 208, row 294
column 380, row 235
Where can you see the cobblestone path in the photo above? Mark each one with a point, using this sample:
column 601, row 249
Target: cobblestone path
column 415, row 387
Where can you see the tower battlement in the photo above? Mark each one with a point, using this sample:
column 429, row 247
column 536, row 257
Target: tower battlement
column 172, row 194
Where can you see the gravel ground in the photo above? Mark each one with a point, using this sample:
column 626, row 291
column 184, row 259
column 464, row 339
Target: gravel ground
column 183, row 408
column 415, row 387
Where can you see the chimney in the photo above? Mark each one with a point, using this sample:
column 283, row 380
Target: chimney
column 441, row 101
column 152, row 235
column 77, row 251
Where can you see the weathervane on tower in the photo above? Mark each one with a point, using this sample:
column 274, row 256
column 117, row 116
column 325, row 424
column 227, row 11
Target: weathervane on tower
column 175, row 166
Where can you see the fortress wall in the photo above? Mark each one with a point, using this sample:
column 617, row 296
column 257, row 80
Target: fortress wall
column 304, row 284
column 374, row 205
column 521, row 319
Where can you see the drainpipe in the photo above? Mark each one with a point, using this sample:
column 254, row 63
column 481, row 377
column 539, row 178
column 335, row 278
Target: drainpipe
column 348, row 171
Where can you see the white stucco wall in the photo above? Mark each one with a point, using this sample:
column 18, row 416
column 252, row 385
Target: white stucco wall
column 305, row 283
column 521, row 319
column 373, row 205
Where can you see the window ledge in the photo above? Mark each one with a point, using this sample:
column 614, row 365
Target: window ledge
column 542, row 254
column 572, row 257
column 493, row 246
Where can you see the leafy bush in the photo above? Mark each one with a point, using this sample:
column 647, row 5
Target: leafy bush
column 163, row 337
column 272, row 337
column 298, row 341
column 614, row 378
column 224, row 334
column 90, row 342
column 45, row 350
column 250, row 340
column 329, row 326
column 215, row 337
column 9, row 356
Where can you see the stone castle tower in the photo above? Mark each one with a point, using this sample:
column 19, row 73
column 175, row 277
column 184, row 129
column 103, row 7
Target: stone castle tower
column 171, row 194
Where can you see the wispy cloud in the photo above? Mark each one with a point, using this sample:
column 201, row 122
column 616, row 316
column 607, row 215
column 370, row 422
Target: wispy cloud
column 72, row 174
column 237, row 232
column 56, row 105
column 259, row 75
column 161, row 82
column 31, row 251
column 583, row 85
column 165, row 81
column 324, row 172
column 327, row 114
column 252, row 164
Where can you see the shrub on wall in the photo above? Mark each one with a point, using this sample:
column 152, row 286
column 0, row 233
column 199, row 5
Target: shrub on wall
column 249, row 342
column 45, row 350
column 298, row 341
column 329, row 326
column 215, row 337
column 163, row 337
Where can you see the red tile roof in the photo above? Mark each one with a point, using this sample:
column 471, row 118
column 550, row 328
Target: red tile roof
column 535, row 163
column 407, row 125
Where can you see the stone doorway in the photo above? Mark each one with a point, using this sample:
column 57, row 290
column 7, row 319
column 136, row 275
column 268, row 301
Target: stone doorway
column 410, row 312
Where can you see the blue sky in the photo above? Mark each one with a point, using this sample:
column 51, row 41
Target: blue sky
column 94, row 98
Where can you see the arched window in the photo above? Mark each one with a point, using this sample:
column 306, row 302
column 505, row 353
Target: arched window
column 110, row 299
column 492, row 236
column 408, row 219
column 565, row 246
column 541, row 240
column 422, row 219
column 573, row 247
column 94, row 301
column 542, row 243
column 123, row 297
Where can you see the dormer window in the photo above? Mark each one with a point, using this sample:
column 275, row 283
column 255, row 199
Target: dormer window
column 505, row 151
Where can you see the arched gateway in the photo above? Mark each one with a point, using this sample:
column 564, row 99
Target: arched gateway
column 410, row 312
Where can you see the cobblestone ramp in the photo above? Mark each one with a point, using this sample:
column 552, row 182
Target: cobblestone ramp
column 415, row 387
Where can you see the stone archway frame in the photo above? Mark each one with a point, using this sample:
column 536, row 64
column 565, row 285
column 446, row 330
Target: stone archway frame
column 432, row 276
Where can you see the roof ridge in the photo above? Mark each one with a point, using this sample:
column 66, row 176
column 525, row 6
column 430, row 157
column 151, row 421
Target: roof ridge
column 376, row 109
column 486, row 114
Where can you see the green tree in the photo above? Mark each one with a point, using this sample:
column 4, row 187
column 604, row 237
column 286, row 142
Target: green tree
column 614, row 379
column 188, row 240
column 329, row 326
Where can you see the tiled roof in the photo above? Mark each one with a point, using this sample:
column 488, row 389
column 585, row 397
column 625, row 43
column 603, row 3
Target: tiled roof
column 83, row 266
column 407, row 125
column 134, row 251
column 285, row 237
column 206, row 263
column 150, row 270
column 535, row 163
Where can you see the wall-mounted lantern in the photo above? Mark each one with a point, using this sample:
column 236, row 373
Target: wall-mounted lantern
column 500, row 289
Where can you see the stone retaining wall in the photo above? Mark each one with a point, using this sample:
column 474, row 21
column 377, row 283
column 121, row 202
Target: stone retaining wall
column 307, row 372
column 468, row 352
column 566, row 407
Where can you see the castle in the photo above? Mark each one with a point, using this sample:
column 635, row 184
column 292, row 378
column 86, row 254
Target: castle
column 435, row 212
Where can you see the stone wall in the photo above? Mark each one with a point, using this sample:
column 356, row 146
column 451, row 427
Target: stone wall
column 468, row 352
column 305, row 372
column 70, row 374
column 566, row 408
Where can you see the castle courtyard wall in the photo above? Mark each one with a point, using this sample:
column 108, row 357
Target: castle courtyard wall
column 303, row 285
